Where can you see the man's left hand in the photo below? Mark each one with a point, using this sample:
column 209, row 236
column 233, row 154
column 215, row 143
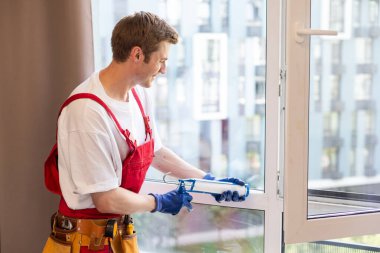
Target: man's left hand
column 227, row 195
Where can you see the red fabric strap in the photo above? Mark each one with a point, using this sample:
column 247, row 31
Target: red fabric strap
column 138, row 102
column 148, row 130
column 96, row 99
column 126, row 133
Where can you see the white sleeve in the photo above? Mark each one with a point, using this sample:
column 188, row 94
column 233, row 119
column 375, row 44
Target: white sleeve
column 85, row 151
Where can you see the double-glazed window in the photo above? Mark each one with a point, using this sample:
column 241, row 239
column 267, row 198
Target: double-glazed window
column 210, row 109
column 250, row 93
column 332, row 176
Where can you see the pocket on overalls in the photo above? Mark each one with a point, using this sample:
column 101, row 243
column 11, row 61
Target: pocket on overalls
column 129, row 243
column 53, row 246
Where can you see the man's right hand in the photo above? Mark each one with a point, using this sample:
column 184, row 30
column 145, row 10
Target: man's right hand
column 173, row 201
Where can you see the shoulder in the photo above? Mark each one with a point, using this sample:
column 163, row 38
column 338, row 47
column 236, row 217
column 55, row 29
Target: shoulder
column 84, row 115
column 87, row 114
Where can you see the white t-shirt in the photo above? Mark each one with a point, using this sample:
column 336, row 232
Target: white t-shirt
column 91, row 148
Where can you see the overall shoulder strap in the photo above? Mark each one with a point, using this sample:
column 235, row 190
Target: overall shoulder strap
column 95, row 98
column 148, row 129
column 138, row 102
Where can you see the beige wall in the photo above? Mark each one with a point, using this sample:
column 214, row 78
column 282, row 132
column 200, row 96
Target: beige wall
column 45, row 50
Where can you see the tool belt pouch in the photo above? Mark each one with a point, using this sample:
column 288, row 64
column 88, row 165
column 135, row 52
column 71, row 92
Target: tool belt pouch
column 73, row 243
column 125, row 242
column 89, row 233
column 94, row 231
column 61, row 242
column 129, row 243
column 57, row 242
column 57, row 247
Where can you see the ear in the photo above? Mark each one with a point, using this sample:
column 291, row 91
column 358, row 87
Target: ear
column 137, row 54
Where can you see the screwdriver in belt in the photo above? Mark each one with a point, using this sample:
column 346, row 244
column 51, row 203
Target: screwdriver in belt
column 130, row 226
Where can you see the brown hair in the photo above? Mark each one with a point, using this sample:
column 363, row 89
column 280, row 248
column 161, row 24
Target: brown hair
column 142, row 29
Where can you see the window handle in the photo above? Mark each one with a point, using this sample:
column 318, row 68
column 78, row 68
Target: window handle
column 301, row 32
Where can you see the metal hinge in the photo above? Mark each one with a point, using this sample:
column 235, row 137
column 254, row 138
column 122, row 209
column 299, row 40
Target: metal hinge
column 283, row 73
column 282, row 79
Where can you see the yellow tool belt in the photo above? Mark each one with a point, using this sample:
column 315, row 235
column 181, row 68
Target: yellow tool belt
column 69, row 235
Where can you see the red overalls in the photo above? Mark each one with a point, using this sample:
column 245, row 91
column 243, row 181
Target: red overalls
column 135, row 165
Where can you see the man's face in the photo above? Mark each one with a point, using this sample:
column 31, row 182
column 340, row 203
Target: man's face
column 155, row 66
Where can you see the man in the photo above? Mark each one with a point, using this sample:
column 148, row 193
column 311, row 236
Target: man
column 107, row 140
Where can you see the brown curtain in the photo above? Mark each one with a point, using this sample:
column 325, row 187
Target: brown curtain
column 45, row 51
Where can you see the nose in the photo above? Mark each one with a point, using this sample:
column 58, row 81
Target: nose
column 163, row 68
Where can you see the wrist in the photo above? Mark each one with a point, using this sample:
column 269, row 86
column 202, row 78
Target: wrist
column 156, row 206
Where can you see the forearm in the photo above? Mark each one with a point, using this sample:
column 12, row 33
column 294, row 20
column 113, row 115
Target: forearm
column 167, row 161
column 122, row 201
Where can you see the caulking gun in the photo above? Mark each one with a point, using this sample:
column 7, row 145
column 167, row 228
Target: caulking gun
column 212, row 186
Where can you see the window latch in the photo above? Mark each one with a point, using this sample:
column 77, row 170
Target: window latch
column 301, row 32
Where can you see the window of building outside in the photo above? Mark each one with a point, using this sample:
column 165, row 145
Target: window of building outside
column 337, row 15
column 363, row 50
column 373, row 10
column 356, row 13
column 209, row 109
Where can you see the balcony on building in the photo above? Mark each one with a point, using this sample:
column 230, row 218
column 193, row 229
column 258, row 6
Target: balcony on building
column 260, row 70
column 336, row 105
column 374, row 31
column 361, row 32
column 370, row 140
column 254, row 29
column 365, row 104
column 366, row 68
column 369, row 170
column 332, row 140
column 253, row 146
column 205, row 28
column 354, row 139
column 331, row 172
column 180, row 71
column 337, row 69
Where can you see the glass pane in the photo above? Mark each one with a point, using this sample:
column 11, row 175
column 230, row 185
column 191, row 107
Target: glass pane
column 210, row 106
column 344, row 122
column 361, row 244
column 205, row 229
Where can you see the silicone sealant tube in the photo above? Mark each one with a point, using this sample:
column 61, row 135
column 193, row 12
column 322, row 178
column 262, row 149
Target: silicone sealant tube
column 213, row 187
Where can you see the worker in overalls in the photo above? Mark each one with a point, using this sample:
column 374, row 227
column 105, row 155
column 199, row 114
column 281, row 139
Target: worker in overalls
column 106, row 141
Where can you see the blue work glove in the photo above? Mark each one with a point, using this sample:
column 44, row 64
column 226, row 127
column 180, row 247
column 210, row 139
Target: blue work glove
column 173, row 201
column 227, row 195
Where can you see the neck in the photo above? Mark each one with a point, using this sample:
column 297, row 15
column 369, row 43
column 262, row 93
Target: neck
column 116, row 80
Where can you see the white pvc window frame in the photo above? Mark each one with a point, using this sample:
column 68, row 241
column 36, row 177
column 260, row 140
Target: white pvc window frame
column 268, row 200
column 297, row 227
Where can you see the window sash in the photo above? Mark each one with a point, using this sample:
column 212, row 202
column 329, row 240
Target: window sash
column 298, row 227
